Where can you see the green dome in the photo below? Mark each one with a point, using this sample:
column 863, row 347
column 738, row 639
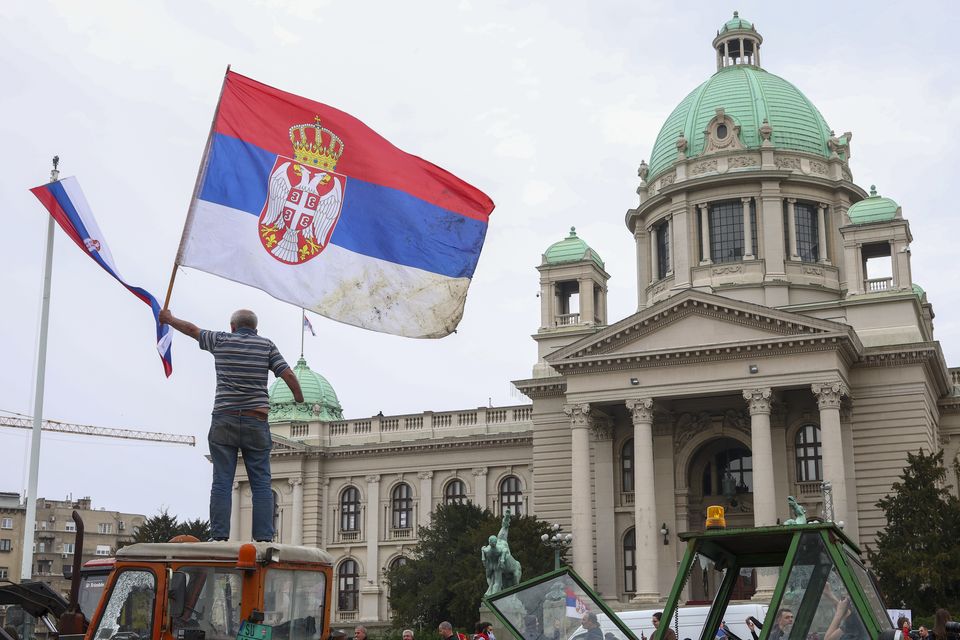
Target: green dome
column 570, row 249
column 319, row 399
column 873, row 209
column 749, row 95
column 736, row 22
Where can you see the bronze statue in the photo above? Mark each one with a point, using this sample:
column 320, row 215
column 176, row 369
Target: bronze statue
column 502, row 569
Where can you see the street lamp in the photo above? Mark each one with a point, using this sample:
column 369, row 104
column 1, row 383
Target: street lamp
column 558, row 541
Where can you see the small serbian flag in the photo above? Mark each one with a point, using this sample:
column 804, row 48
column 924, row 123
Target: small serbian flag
column 307, row 326
column 312, row 206
column 68, row 206
column 576, row 606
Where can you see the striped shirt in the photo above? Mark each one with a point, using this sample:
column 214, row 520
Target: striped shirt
column 242, row 360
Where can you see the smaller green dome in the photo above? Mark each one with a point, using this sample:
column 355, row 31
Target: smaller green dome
column 319, row 399
column 736, row 22
column 873, row 209
column 571, row 249
column 918, row 291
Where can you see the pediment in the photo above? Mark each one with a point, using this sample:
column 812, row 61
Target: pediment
column 697, row 321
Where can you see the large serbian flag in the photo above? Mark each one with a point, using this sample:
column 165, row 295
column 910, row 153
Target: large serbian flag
column 310, row 205
column 68, row 206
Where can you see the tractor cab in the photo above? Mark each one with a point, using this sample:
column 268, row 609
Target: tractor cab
column 208, row 590
column 818, row 587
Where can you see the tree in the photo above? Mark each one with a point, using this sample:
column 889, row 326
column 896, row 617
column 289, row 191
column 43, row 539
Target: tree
column 163, row 526
column 917, row 557
column 444, row 577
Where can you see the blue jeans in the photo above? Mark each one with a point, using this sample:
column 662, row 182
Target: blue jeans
column 251, row 436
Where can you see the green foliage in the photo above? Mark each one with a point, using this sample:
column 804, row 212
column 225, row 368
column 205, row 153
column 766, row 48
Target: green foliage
column 163, row 526
column 917, row 556
column 444, row 578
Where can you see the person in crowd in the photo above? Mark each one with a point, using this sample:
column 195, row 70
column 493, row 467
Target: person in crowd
column 360, row 632
column 482, row 631
column 940, row 620
column 445, row 629
column 592, row 625
column 782, row 625
column 669, row 634
column 755, row 626
column 407, row 634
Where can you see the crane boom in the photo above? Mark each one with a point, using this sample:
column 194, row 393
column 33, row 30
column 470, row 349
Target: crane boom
column 26, row 422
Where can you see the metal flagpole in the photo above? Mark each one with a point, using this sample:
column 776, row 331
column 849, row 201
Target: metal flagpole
column 26, row 565
column 303, row 326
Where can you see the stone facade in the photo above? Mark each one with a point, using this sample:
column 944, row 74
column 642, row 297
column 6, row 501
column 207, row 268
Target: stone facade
column 778, row 344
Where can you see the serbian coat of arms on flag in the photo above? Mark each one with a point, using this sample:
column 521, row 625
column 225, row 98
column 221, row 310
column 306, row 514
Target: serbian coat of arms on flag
column 315, row 208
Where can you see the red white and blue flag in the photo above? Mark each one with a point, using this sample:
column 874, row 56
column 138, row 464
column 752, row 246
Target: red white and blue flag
column 308, row 326
column 66, row 203
column 312, row 206
column 576, row 606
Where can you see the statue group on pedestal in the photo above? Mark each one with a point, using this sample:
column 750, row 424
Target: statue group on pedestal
column 502, row 569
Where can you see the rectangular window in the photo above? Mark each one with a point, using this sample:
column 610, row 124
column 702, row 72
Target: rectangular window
column 726, row 231
column 43, row 547
column 295, row 600
column 105, row 527
column 103, row 550
column 4, row 573
column 68, row 547
column 662, row 231
column 808, row 238
column 69, row 526
column 6, row 523
column 6, row 544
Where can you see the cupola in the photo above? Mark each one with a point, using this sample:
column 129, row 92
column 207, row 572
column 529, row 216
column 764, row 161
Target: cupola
column 737, row 43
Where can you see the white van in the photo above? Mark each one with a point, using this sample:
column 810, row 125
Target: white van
column 691, row 622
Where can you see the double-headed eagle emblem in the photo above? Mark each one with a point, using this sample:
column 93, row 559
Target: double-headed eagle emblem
column 304, row 196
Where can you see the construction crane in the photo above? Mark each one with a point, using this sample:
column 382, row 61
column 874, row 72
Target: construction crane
column 20, row 421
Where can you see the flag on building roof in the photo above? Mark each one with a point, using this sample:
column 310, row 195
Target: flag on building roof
column 66, row 203
column 312, row 206
column 307, row 326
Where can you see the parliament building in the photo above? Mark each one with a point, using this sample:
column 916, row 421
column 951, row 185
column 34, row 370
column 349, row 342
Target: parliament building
column 779, row 344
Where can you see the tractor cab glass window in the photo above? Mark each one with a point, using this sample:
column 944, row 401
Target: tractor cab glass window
column 293, row 604
column 91, row 589
column 128, row 614
column 870, row 590
column 211, row 602
column 815, row 600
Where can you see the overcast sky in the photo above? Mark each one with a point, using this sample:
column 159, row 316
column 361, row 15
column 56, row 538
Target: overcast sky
column 548, row 107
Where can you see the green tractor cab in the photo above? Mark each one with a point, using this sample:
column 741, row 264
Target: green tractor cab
column 820, row 588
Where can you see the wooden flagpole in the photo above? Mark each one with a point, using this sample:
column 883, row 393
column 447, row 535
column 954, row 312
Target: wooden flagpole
column 196, row 191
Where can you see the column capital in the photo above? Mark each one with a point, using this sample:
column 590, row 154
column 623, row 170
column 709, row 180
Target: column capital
column 791, row 201
column 325, row 481
column 479, row 471
column 702, row 206
column 373, row 479
column 829, row 394
column 823, row 205
column 746, row 200
column 579, row 415
column 641, row 409
column 759, row 400
column 602, row 429
column 236, row 485
column 295, row 482
column 425, row 475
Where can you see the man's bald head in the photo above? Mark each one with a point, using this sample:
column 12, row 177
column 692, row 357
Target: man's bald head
column 243, row 319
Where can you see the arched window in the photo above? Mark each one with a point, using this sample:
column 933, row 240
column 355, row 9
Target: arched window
column 276, row 516
column 402, row 506
column 809, row 455
column 455, row 492
column 626, row 467
column 630, row 561
column 350, row 509
column 511, row 496
column 348, row 586
column 733, row 467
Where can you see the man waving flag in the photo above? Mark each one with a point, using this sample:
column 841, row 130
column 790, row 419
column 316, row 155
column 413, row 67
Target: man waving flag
column 310, row 205
column 68, row 206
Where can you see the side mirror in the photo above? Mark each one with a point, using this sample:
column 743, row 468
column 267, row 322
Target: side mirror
column 177, row 594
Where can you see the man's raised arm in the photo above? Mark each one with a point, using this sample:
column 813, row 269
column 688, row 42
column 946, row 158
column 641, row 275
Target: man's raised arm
column 291, row 379
column 184, row 327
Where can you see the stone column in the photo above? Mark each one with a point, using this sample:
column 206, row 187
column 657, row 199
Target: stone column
column 235, row 514
column 761, row 447
column 792, row 228
column 480, row 487
column 327, row 526
column 726, row 57
column 586, row 301
column 373, row 526
column 644, row 277
column 747, row 230
column 296, row 536
column 581, row 495
column 829, row 395
column 547, row 312
column 853, row 516
column 743, row 54
column 604, row 489
column 426, row 497
column 654, row 256
column 704, row 233
column 645, row 502
column 824, row 256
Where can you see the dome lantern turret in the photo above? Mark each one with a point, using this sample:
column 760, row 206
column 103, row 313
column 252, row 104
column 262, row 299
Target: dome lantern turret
column 737, row 43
